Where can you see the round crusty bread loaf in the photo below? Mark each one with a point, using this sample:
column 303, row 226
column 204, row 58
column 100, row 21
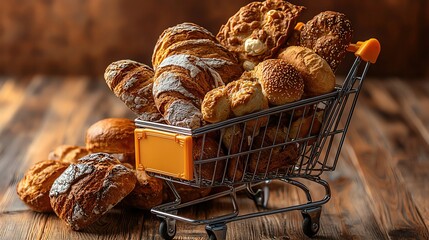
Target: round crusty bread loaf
column 204, row 148
column 68, row 153
column 328, row 34
column 317, row 75
column 132, row 82
column 34, row 187
column 281, row 82
column 111, row 135
column 146, row 194
column 258, row 30
column 85, row 191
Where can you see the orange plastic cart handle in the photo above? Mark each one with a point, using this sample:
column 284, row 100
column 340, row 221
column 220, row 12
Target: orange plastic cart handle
column 367, row 51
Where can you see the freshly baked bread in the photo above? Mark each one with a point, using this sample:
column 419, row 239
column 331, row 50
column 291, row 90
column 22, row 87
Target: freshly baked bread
column 317, row 74
column 85, row 191
column 181, row 81
column 132, row 82
column 305, row 126
column 194, row 40
column 246, row 97
column 33, row 189
column 216, row 106
column 274, row 158
column 234, row 140
column 146, row 194
column 68, row 153
column 328, row 34
column 178, row 33
column 281, row 82
column 111, row 135
column 186, row 193
column 204, row 149
column 258, row 30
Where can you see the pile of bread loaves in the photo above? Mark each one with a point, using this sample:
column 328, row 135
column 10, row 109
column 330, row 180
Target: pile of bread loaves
column 260, row 58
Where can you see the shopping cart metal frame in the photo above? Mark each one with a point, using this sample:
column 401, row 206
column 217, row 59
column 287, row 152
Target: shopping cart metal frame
column 316, row 155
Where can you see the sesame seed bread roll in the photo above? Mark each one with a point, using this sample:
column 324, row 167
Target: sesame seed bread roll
column 328, row 34
column 317, row 74
column 281, row 82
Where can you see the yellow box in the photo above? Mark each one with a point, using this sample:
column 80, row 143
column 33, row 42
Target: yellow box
column 165, row 153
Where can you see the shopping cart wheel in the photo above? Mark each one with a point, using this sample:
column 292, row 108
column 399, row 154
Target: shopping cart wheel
column 260, row 196
column 167, row 228
column 216, row 232
column 311, row 222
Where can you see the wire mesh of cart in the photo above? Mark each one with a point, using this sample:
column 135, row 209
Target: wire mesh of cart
column 287, row 143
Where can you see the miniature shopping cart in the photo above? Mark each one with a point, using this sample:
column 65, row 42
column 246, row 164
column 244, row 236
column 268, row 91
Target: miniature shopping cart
column 305, row 137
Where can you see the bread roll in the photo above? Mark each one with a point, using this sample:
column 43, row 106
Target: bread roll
column 85, row 191
column 328, row 34
column 317, row 74
column 33, row 189
column 274, row 158
column 305, row 126
column 204, row 149
column 68, row 153
column 132, row 82
column 147, row 193
column 234, row 140
column 216, row 106
column 281, row 82
column 258, row 30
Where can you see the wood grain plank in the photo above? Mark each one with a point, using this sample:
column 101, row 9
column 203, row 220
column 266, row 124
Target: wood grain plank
column 392, row 203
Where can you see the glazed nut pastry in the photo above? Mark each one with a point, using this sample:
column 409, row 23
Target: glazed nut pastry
column 328, row 34
column 258, row 30
column 68, row 153
column 85, row 191
column 132, row 82
column 146, row 194
column 317, row 74
column 281, row 82
column 34, row 188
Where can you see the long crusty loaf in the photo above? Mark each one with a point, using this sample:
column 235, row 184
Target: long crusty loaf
column 132, row 82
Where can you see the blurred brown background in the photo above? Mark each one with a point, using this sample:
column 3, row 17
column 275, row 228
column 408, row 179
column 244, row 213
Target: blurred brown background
column 81, row 37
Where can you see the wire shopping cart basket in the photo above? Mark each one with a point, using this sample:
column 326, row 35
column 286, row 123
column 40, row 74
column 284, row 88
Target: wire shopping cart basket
column 297, row 141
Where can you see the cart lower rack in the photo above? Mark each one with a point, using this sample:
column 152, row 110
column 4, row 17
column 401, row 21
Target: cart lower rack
column 299, row 140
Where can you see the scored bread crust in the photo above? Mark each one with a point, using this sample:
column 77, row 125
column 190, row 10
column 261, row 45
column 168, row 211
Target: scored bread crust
column 258, row 30
column 317, row 74
column 328, row 33
column 85, row 191
column 132, row 82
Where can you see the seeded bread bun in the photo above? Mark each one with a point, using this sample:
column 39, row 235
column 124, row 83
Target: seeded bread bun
column 328, row 34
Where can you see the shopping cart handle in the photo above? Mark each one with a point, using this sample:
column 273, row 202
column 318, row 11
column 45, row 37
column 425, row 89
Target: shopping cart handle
column 367, row 51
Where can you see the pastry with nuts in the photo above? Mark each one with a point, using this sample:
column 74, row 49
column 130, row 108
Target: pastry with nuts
column 85, row 191
column 34, row 188
column 258, row 30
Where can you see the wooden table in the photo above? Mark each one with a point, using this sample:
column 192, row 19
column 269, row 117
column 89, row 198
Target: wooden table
column 379, row 189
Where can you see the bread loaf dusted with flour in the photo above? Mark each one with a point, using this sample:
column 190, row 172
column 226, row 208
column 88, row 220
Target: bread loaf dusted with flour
column 132, row 82
column 188, row 63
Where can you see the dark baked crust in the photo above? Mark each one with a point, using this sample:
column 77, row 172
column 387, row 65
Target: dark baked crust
column 88, row 189
column 328, row 34
column 146, row 194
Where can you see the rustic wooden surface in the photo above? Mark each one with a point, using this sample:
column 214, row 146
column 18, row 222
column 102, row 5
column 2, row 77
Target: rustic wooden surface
column 379, row 189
